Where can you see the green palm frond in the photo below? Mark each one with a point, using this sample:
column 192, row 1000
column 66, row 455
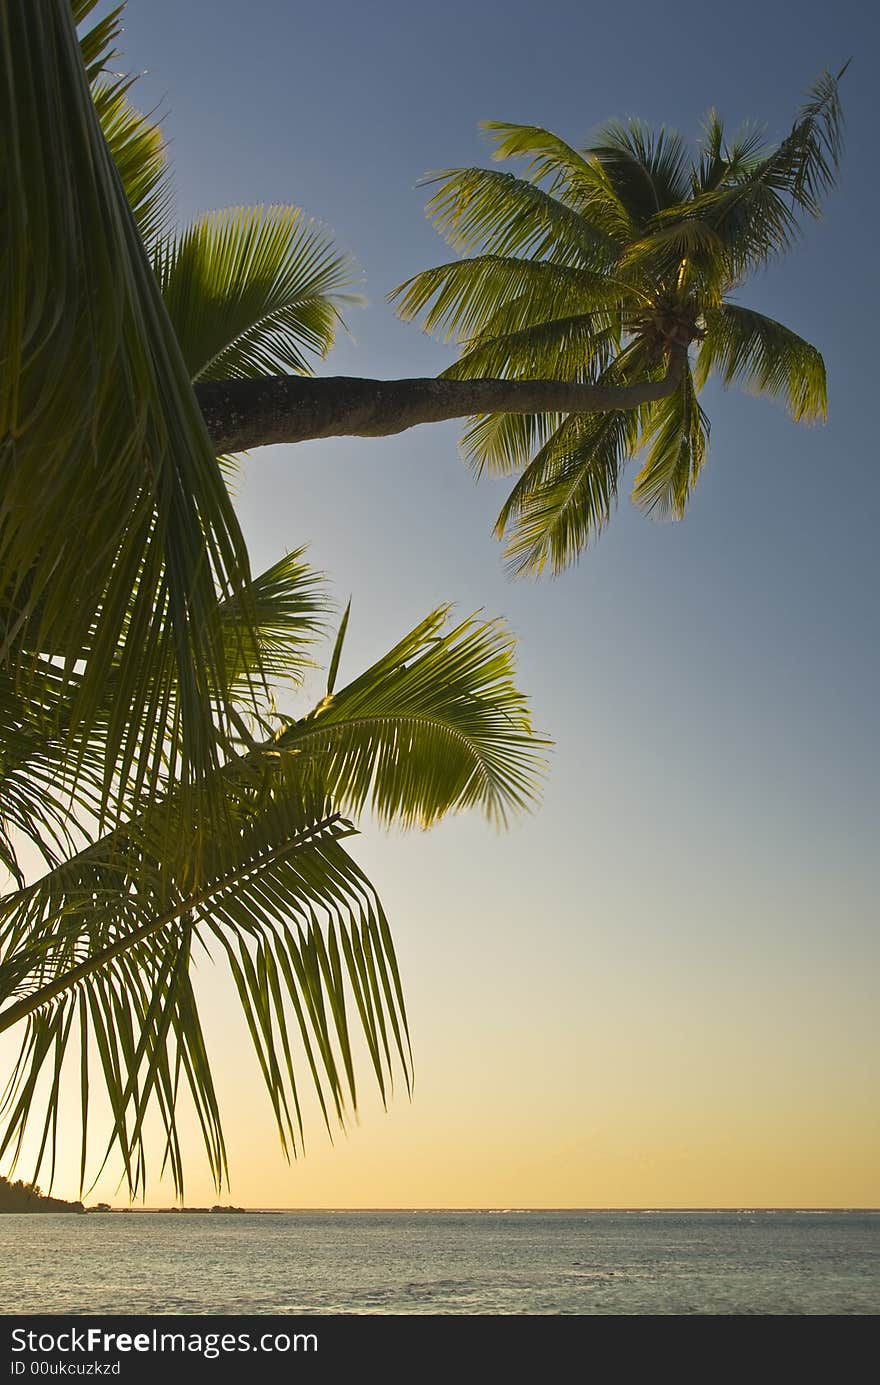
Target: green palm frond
column 493, row 293
column 252, row 291
column 564, row 348
column 758, row 213
column 725, row 163
column 767, row 358
column 647, row 171
column 566, row 494
column 46, row 779
column 97, row 416
column 501, row 444
column 138, row 151
column 285, row 611
column 97, row 952
column 676, row 433
column 52, row 777
column 577, row 179
column 305, row 940
column 96, row 43
column 503, row 215
column 436, row 726
column 548, row 155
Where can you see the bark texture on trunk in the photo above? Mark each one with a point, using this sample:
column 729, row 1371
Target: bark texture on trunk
column 242, row 414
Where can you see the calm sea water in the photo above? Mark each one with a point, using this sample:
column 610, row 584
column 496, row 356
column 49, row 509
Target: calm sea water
column 442, row 1262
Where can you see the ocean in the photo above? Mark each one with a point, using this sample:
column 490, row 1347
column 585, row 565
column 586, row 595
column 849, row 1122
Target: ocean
column 498, row 1262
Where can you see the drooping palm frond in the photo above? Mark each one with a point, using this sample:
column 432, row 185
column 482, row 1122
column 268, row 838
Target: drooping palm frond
column 45, row 781
column 501, row 444
column 252, row 291
column 100, row 946
column 767, row 358
column 566, row 494
column 676, row 435
column 52, row 776
column 305, row 940
column 138, row 150
column 98, row 418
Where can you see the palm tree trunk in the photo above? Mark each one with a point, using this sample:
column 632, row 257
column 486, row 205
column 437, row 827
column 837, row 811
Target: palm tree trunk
column 241, row 414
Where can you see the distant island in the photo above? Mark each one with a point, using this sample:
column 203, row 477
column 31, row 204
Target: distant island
column 217, row 1208
column 146, row 1211
column 26, row 1197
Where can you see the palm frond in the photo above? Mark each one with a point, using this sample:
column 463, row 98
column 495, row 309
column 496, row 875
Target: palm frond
column 722, row 163
column 284, row 612
column 767, row 358
column 676, row 432
column 464, row 299
column 436, row 726
column 567, row 493
column 757, row 214
column 576, row 179
column 252, row 291
column 647, row 170
column 97, row 417
column 483, row 209
column 562, row 348
column 96, row 44
column 306, row 942
column 501, row 444
column 100, row 946
column 138, row 150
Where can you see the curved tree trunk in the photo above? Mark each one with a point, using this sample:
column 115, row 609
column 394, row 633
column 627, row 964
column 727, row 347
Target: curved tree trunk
column 242, row 414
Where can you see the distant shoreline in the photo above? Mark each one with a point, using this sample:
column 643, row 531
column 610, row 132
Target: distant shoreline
column 485, row 1211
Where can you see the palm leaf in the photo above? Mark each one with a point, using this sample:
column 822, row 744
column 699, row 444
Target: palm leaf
column 435, row 726
column 97, row 417
column 676, row 432
column 100, row 944
column 252, row 292
column 757, row 214
column 566, row 494
column 503, row 215
column 647, row 171
column 295, row 918
column 578, row 180
column 138, row 150
column 768, row 358
column 96, row 43
column 493, row 293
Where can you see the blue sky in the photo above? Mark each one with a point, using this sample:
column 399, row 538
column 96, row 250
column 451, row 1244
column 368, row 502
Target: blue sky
column 658, row 985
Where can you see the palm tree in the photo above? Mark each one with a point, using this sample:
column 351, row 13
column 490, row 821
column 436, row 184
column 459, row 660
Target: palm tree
column 619, row 266
column 170, row 808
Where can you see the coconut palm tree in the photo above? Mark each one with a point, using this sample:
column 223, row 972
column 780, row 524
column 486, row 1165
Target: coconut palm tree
column 620, row 266
column 155, row 806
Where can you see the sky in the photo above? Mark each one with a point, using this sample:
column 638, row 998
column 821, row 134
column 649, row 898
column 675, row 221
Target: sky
column 657, row 990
